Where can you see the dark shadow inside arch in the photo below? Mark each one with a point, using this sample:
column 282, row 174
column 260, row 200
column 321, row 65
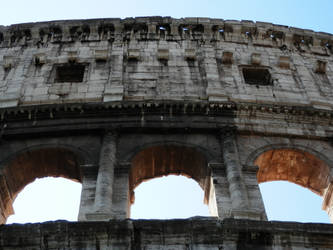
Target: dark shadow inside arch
column 29, row 165
column 158, row 161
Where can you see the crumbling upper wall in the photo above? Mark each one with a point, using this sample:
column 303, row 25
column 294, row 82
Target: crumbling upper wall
column 161, row 58
column 154, row 28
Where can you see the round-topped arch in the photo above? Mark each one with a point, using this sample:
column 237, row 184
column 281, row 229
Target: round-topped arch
column 131, row 144
column 298, row 164
column 294, row 165
column 169, row 159
column 25, row 166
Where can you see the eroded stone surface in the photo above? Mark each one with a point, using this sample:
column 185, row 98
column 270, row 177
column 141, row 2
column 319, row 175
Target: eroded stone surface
column 113, row 102
column 193, row 233
column 188, row 59
column 295, row 166
column 160, row 161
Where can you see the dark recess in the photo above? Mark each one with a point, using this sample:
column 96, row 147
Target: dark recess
column 70, row 73
column 257, row 76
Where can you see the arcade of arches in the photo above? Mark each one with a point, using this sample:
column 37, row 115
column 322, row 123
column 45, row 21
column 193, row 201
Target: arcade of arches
column 230, row 186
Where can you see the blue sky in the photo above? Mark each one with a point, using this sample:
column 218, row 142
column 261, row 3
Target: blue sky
column 316, row 15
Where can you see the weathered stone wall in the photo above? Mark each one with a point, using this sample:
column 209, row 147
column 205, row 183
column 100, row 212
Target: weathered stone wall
column 114, row 102
column 194, row 233
column 164, row 58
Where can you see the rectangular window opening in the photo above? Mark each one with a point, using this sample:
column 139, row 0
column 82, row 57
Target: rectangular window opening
column 257, row 76
column 70, row 73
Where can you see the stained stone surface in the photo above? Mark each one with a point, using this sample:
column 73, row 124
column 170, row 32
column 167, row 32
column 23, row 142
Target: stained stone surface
column 158, row 58
column 114, row 102
column 298, row 167
column 194, row 233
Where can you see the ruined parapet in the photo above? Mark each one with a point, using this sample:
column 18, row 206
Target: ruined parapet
column 154, row 58
column 168, row 29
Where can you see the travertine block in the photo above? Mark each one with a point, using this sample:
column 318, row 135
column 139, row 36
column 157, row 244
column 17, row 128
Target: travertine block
column 190, row 54
column 72, row 56
column 101, row 55
column 320, row 67
column 39, row 59
column 284, row 62
column 133, row 54
column 227, row 57
column 163, row 54
column 8, row 62
column 255, row 59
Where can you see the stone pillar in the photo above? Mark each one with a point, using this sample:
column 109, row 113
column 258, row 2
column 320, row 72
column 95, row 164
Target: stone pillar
column 328, row 201
column 6, row 201
column 256, row 202
column 238, row 194
column 105, row 178
column 121, row 198
column 87, row 203
column 219, row 203
column 114, row 89
column 215, row 91
column 244, row 205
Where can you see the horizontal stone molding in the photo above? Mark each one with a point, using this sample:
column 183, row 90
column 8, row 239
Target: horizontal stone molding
column 196, row 232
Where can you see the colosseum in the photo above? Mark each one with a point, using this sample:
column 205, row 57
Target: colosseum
column 111, row 103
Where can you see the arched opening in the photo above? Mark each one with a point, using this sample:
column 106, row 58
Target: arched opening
column 166, row 160
column 32, row 164
column 47, row 199
column 295, row 166
column 169, row 197
column 286, row 201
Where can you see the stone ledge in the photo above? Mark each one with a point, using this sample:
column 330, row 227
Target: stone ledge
column 206, row 108
column 152, row 234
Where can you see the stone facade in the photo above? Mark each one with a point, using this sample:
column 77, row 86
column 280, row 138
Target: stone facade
column 194, row 233
column 113, row 102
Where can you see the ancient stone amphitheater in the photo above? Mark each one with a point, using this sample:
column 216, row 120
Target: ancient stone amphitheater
column 113, row 102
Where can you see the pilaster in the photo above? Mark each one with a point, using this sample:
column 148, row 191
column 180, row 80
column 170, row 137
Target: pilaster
column 105, row 178
column 256, row 202
column 237, row 188
column 6, row 201
column 87, row 203
column 328, row 201
column 241, row 206
column 121, row 198
column 219, row 201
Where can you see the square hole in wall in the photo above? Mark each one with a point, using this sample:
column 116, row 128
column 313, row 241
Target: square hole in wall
column 69, row 73
column 257, row 76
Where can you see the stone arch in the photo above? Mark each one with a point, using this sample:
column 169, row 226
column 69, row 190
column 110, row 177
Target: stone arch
column 165, row 159
column 252, row 157
column 311, row 152
column 209, row 156
column 293, row 165
column 83, row 156
column 37, row 162
column 85, row 147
